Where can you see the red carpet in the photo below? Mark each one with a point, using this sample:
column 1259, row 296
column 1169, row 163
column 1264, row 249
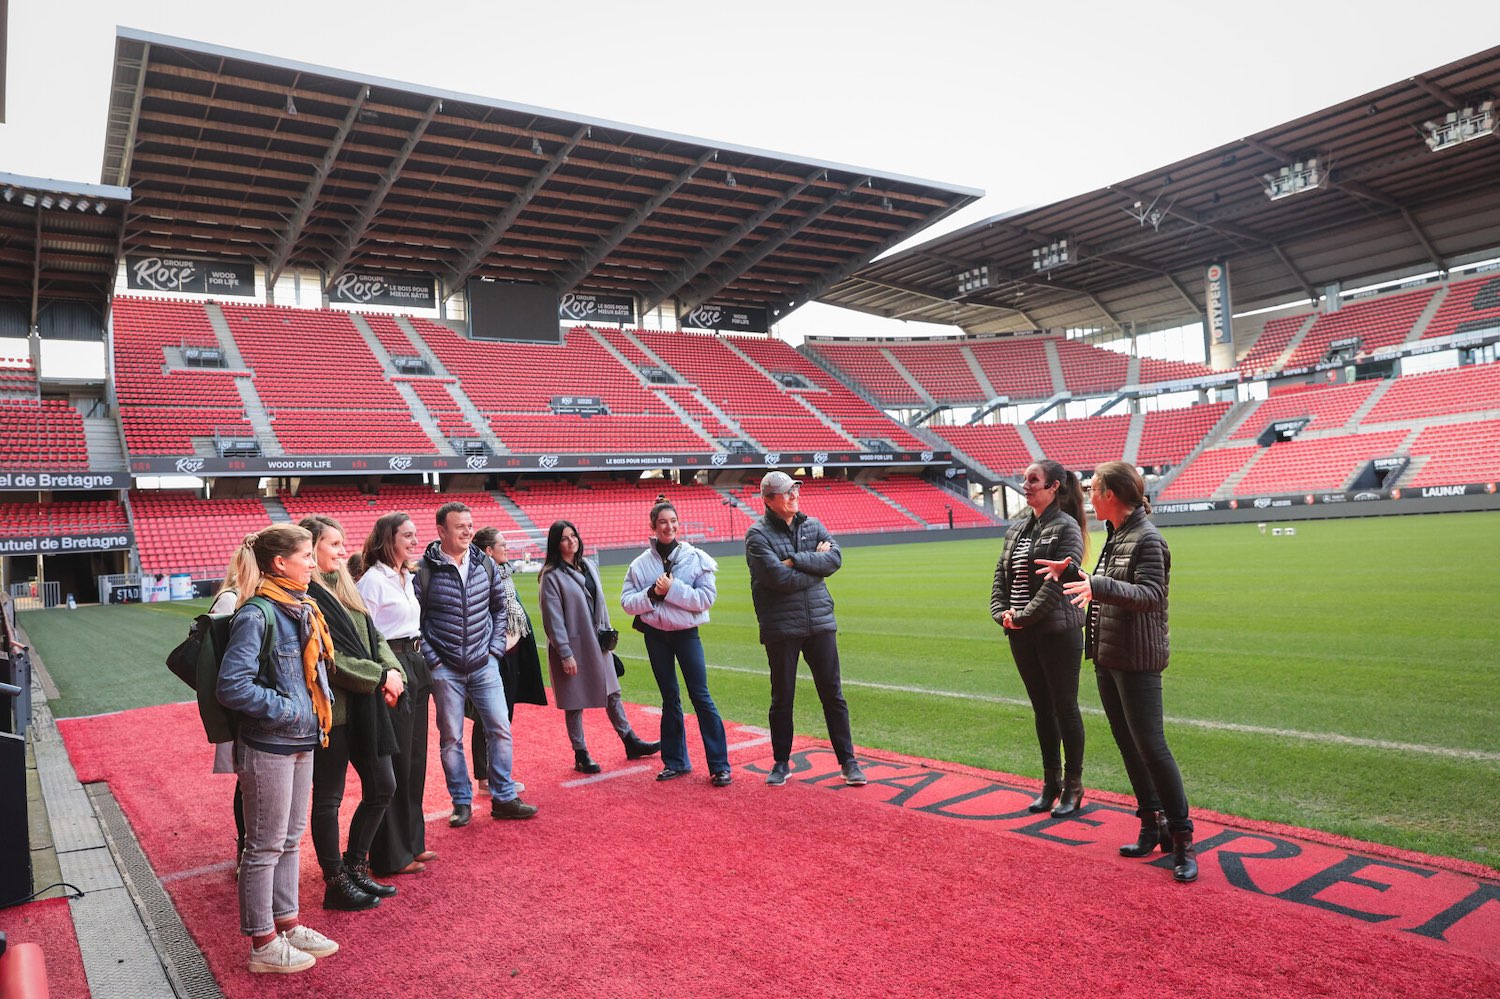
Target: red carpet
column 930, row 881
column 49, row 924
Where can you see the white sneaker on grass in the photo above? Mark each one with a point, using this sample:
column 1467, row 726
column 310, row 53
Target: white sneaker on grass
column 279, row 957
column 310, row 941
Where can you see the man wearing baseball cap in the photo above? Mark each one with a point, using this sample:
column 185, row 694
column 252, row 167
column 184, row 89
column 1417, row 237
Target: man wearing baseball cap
column 790, row 555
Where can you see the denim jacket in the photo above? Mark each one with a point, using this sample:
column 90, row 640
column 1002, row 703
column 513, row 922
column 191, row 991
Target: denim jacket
column 283, row 715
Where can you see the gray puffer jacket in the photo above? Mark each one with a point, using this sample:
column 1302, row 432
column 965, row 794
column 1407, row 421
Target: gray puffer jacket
column 463, row 623
column 1055, row 536
column 1128, row 618
column 791, row 601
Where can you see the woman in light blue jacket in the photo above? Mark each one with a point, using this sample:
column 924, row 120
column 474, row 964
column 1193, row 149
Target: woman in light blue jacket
column 669, row 589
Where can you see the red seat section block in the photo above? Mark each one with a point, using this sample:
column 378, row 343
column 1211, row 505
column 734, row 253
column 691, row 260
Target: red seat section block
column 179, row 531
column 357, row 511
column 929, row 503
column 1378, row 322
column 1154, row 370
column 59, row 518
column 1203, row 476
column 866, row 365
column 1325, row 463
column 844, row 507
column 1272, row 342
column 942, row 370
column 1090, row 370
column 1083, row 444
column 1329, row 407
column 618, row 514
column 41, row 434
column 997, row 446
column 1469, row 389
column 1168, row 435
column 1469, row 305
column 1458, row 453
column 1016, row 367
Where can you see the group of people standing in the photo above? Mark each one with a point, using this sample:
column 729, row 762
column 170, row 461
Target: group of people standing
column 1054, row 614
column 327, row 669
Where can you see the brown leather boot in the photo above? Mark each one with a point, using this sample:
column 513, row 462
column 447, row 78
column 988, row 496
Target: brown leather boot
column 1051, row 787
column 1072, row 797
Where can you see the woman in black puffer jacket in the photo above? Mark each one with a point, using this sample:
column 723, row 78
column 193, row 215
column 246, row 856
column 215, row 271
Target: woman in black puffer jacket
column 1044, row 628
column 1127, row 640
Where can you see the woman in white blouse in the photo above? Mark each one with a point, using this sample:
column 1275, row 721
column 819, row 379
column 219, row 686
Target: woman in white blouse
column 400, row 845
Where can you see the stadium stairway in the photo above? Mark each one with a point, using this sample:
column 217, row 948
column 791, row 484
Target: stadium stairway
column 1295, row 342
column 916, row 521
column 652, row 355
column 277, row 511
column 977, row 370
column 1029, row 439
column 1218, row 432
column 1363, row 410
column 1231, row 482
column 534, row 534
column 666, row 399
column 1424, row 318
column 911, row 379
column 732, row 494
column 255, row 410
column 419, row 411
column 105, row 446
column 1133, row 437
column 465, row 404
column 797, row 396
column 1054, row 365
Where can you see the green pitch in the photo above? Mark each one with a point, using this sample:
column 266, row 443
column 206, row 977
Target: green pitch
column 1343, row 679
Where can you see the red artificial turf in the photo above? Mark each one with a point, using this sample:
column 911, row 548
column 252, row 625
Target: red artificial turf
column 626, row 886
column 49, row 924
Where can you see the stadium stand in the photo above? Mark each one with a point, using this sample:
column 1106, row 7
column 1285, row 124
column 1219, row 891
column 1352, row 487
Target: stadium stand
column 62, row 517
column 1155, row 370
column 163, row 406
column 941, row 369
column 615, row 514
column 867, row 366
column 1204, row 475
column 1379, row 322
column 843, row 507
column 433, row 392
column 17, row 378
column 1082, row 444
column 1469, row 389
column 997, row 446
column 1089, row 370
column 929, row 503
column 1470, row 305
column 178, row 531
column 1016, row 367
column 41, row 434
column 357, row 511
column 1458, row 453
column 1168, row 435
column 1328, row 406
column 311, row 415
column 1271, row 343
column 1323, row 463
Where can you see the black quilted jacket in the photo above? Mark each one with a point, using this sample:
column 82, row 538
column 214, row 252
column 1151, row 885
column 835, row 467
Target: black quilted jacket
column 1047, row 611
column 1128, row 618
column 791, row 602
column 463, row 623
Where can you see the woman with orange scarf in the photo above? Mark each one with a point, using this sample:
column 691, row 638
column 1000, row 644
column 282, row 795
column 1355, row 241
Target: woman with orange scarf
column 285, row 709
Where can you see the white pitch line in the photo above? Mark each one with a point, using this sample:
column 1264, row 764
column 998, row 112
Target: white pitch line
column 749, row 743
column 193, row 872
column 1329, row 738
column 607, row 775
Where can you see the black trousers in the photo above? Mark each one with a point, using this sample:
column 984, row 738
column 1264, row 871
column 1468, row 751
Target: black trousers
column 403, row 832
column 478, row 740
column 1049, row 666
column 1132, row 703
column 822, row 654
column 377, row 786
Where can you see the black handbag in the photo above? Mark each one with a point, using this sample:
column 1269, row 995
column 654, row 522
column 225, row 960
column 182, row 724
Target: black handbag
column 609, row 639
column 619, row 664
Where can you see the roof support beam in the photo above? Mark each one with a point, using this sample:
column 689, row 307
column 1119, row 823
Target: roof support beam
column 486, row 241
column 1202, row 221
column 699, row 293
column 569, row 279
column 371, row 207
column 283, row 251
column 1432, row 254
column 1177, row 286
column 1293, row 270
column 1450, row 100
column 910, row 289
column 844, row 270
column 673, row 283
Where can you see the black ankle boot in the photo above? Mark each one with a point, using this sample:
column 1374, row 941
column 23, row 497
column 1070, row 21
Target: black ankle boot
column 1184, row 860
column 1072, row 797
column 1152, row 835
column 1051, row 787
column 342, row 894
column 584, row 763
column 359, row 876
column 635, row 749
column 1163, row 832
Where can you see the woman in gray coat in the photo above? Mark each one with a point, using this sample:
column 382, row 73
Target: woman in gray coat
column 574, row 614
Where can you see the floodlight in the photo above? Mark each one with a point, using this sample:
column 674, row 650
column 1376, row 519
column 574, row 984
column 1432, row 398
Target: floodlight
column 536, row 147
column 47, row 201
column 99, row 207
column 291, row 105
column 885, row 203
column 1303, row 175
column 974, row 279
column 10, row 192
column 83, row 204
column 28, row 199
column 1055, row 254
column 65, row 203
column 729, row 180
column 1458, row 127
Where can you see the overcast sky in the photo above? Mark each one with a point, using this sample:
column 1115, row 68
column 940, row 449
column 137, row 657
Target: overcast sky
column 1031, row 102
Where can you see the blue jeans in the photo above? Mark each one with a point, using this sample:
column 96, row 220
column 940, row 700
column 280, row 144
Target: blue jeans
column 687, row 649
column 482, row 687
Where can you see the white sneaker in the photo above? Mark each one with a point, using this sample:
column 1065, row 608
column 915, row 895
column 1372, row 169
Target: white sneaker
column 279, row 957
column 309, row 940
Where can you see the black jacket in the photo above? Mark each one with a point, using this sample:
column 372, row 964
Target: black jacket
column 1056, row 536
column 1128, row 618
column 791, row 602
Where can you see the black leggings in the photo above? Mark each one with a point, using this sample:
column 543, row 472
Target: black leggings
column 377, row 785
column 1132, row 703
column 1049, row 666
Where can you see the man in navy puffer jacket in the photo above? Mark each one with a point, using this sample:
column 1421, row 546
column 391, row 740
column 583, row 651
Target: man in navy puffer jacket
column 463, row 638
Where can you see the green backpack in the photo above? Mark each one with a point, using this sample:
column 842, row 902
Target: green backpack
column 196, row 663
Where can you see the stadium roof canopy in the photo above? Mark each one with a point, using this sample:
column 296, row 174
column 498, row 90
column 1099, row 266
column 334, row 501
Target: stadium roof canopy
column 58, row 238
column 230, row 153
column 1385, row 204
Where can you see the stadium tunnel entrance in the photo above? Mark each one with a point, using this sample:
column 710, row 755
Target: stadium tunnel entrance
column 42, row 581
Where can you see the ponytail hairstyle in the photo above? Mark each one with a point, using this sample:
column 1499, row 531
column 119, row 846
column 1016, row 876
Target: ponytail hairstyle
column 343, row 584
column 662, row 503
column 380, row 546
column 1069, row 495
column 241, row 564
column 1124, row 480
column 264, row 546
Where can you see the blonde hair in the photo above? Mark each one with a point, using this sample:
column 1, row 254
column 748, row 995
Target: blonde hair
column 264, row 547
column 1123, row 480
column 343, row 584
column 237, row 576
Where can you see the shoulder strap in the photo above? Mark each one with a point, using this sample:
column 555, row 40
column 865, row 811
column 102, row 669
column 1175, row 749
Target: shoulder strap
column 424, row 576
column 267, row 641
